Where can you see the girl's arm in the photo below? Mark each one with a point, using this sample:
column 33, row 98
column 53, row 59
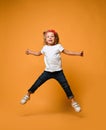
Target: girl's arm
column 30, row 52
column 67, row 52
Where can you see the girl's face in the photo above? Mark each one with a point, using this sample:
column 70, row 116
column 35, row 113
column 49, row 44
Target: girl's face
column 50, row 38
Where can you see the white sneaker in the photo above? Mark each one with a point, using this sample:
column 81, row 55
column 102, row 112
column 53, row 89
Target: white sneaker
column 25, row 99
column 76, row 106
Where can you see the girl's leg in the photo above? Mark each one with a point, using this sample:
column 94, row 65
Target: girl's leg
column 42, row 78
column 63, row 82
column 60, row 77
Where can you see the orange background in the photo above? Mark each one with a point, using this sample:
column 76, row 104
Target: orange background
column 81, row 25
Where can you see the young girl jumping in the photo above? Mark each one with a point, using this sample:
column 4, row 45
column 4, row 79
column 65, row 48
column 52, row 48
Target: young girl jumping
column 52, row 57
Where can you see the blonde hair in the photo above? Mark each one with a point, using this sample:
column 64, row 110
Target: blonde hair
column 55, row 34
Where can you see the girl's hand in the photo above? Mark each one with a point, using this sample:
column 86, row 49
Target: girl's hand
column 28, row 52
column 81, row 53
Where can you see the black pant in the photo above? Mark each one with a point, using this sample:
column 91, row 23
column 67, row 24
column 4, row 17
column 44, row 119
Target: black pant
column 59, row 76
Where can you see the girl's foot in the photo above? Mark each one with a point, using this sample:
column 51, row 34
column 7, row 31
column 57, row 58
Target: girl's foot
column 25, row 99
column 76, row 106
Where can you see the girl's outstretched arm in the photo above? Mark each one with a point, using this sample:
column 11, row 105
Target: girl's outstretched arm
column 30, row 52
column 67, row 52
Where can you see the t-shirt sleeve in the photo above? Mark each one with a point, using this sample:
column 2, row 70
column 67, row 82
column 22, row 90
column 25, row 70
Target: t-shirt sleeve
column 42, row 50
column 61, row 48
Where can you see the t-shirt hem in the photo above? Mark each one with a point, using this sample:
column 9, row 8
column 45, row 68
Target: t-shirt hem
column 53, row 70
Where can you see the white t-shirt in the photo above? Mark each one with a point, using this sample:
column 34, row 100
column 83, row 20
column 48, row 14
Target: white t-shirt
column 52, row 57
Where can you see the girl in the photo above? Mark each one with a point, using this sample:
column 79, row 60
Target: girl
column 52, row 58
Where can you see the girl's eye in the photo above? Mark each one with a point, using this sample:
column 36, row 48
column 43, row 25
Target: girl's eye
column 52, row 36
column 49, row 36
